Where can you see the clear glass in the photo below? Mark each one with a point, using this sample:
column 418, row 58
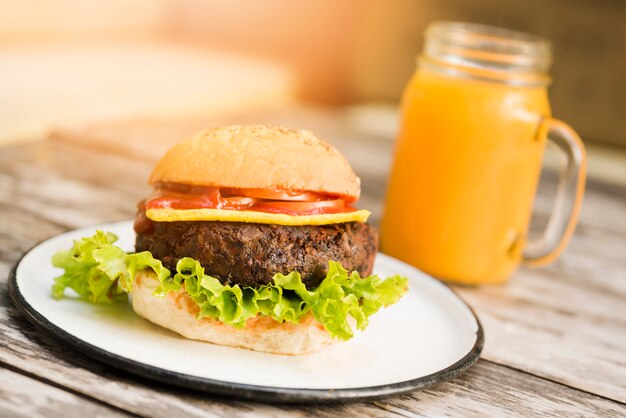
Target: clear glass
column 495, row 54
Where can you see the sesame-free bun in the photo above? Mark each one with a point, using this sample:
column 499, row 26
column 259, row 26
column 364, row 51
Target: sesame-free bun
column 265, row 157
column 177, row 312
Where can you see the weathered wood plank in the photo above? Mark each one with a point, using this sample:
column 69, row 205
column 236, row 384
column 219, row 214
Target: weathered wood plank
column 487, row 389
column 69, row 186
column 21, row 396
column 510, row 393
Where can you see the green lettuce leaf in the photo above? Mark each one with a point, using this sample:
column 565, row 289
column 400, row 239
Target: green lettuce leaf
column 87, row 274
column 101, row 272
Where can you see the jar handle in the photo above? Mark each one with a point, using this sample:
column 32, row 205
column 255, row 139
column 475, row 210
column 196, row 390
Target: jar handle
column 569, row 195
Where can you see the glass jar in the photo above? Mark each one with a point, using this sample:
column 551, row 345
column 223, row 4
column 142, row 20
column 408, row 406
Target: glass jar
column 475, row 120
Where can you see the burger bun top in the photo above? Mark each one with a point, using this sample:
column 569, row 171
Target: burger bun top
column 266, row 157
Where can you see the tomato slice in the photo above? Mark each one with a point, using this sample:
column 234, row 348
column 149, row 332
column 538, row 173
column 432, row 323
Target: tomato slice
column 283, row 195
column 173, row 196
column 236, row 202
column 163, row 199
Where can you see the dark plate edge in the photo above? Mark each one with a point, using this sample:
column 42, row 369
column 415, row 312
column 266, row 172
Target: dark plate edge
column 238, row 390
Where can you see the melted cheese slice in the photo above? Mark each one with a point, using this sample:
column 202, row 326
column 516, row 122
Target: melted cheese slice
column 172, row 215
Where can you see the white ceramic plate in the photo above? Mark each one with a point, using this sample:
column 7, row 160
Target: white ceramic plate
column 429, row 336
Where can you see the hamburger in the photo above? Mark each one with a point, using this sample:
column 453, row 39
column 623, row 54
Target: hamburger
column 249, row 239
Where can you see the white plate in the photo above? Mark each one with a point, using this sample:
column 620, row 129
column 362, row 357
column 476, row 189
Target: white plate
column 429, row 336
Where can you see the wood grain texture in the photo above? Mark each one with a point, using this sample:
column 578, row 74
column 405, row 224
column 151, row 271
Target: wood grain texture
column 21, row 396
column 555, row 336
column 508, row 393
column 487, row 388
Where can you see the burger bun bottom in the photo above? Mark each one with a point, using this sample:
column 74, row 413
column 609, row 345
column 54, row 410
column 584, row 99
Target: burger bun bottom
column 178, row 312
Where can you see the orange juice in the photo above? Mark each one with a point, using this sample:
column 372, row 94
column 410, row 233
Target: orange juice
column 468, row 159
column 467, row 165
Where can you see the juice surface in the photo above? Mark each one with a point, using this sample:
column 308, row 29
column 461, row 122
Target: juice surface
column 467, row 163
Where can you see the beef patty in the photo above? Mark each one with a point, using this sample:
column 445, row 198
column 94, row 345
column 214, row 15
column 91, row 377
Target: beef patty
column 250, row 254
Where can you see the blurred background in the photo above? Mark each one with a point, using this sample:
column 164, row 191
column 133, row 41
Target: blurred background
column 66, row 64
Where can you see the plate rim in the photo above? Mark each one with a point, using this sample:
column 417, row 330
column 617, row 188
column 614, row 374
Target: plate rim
column 243, row 391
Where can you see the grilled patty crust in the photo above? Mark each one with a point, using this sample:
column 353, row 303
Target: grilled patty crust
column 250, row 254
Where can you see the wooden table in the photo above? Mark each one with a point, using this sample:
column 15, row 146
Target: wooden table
column 555, row 336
